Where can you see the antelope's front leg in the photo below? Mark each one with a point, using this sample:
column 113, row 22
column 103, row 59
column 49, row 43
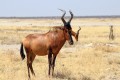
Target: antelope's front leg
column 53, row 64
column 49, row 61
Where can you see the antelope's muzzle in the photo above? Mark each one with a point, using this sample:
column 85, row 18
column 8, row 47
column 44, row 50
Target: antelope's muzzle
column 70, row 39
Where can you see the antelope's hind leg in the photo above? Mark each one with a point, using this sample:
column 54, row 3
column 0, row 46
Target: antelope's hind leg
column 32, row 57
column 28, row 64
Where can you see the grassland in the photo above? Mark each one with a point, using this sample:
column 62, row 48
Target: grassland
column 93, row 57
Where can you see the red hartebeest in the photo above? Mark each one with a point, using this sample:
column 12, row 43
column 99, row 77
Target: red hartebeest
column 49, row 44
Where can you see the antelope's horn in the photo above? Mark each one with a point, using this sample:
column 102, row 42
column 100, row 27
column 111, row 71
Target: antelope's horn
column 71, row 16
column 62, row 18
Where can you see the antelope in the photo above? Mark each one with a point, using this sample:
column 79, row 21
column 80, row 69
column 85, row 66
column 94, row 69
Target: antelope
column 49, row 43
column 111, row 36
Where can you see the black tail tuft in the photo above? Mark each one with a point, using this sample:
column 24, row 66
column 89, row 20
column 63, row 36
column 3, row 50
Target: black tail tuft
column 22, row 52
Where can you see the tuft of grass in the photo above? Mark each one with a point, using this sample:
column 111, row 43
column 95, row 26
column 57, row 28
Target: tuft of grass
column 63, row 74
column 106, row 48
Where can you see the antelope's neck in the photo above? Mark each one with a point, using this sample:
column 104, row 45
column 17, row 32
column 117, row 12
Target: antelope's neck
column 58, row 36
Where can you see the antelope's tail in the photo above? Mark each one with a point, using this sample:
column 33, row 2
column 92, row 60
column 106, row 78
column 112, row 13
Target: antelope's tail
column 22, row 52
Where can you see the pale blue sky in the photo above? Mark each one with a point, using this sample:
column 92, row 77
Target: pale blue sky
column 31, row 8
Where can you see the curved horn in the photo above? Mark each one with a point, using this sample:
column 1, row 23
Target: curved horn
column 62, row 18
column 77, row 34
column 71, row 16
column 78, row 30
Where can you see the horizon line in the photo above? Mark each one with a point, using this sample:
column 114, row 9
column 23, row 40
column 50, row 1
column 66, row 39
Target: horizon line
column 37, row 17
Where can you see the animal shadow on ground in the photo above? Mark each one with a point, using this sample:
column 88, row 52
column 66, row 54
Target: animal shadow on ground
column 63, row 74
column 67, row 75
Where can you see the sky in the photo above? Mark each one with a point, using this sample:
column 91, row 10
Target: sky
column 39, row 8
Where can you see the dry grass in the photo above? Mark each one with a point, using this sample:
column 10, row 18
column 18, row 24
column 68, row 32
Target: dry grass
column 93, row 57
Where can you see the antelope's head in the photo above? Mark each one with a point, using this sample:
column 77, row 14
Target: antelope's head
column 68, row 27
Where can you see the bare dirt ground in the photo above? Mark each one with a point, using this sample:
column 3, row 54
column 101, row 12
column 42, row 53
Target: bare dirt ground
column 93, row 57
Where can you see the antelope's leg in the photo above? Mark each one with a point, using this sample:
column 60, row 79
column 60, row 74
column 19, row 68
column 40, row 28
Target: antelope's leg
column 28, row 65
column 28, row 53
column 53, row 63
column 50, row 60
column 32, row 57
